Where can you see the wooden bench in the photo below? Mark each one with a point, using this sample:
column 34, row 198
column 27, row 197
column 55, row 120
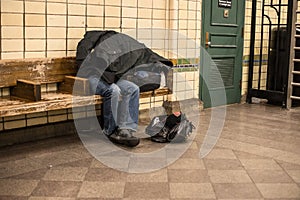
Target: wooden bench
column 36, row 92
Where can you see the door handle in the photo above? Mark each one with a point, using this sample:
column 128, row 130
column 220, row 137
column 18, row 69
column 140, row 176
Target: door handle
column 207, row 40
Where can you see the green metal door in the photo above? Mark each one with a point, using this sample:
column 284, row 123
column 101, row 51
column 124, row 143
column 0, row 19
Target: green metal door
column 221, row 55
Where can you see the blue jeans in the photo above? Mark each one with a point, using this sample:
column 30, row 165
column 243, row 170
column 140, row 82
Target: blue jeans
column 120, row 104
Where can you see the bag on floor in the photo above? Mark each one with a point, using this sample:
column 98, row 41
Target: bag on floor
column 167, row 128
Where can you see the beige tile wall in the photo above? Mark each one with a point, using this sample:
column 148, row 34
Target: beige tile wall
column 247, row 30
column 40, row 118
column 52, row 28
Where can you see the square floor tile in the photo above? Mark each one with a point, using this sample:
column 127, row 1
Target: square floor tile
column 246, row 199
column 221, row 154
column 51, row 198
column 194, row 146
column 266, row 164
column 192, row 190
column 281, row 199
column 34, row 175
column 61, row 157
column 97, row 164
column 188, row 176
column 269, row 176
column 291, row 166
column 66, row 174
column 236, row 191
column 190, row 153
column 57, row 189
column 99, row 190
column 279, row 190
column 17, row 187
column 13, row 198
column 79, row 163
column 229, row 176
column 245, row 155
column 223, row 174
column 146, row 190
column 187, row 163
column 146, row 164
column 7, row 155
column 223, row 164
column 138, row 199
column 17, row 167
column 105, row 175
column 295, row 174
column 156, row 176
column 115, row 162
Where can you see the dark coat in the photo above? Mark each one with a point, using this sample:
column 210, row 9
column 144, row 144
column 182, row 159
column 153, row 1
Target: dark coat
column 109, row 55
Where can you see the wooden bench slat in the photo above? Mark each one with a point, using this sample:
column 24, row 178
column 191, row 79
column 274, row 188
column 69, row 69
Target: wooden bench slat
column 27, row 90
column 25, row 79
column 75, row 85
column 65, row 102
column 36, row 69
column 54, row 101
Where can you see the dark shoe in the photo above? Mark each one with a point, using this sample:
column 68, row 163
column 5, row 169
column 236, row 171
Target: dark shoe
column 124, row 137
column 161, row 137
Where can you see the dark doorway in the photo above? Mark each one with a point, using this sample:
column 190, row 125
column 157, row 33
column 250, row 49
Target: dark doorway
column 270, row 42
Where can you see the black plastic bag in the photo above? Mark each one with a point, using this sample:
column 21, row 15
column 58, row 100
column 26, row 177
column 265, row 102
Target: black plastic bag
column 167, row 128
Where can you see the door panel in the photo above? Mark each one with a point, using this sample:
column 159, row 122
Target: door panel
column 221, row 64
column 217, row 14
column 218, row 40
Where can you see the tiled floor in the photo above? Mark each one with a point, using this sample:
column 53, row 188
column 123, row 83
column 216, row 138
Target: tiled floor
column 256, row 157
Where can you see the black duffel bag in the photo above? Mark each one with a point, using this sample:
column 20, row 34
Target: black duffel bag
column 148, row 76
column 146, row 80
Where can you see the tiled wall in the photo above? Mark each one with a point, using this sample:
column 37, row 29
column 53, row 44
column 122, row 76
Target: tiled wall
column 247, row 31
column 41, row 118
column 52, row 28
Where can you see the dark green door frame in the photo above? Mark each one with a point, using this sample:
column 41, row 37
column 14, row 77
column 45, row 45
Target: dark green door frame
column 222, row 52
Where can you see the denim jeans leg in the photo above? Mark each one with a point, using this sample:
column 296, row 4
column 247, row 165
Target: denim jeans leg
column 129, row 105
column 111, row 98
column 112, row 106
